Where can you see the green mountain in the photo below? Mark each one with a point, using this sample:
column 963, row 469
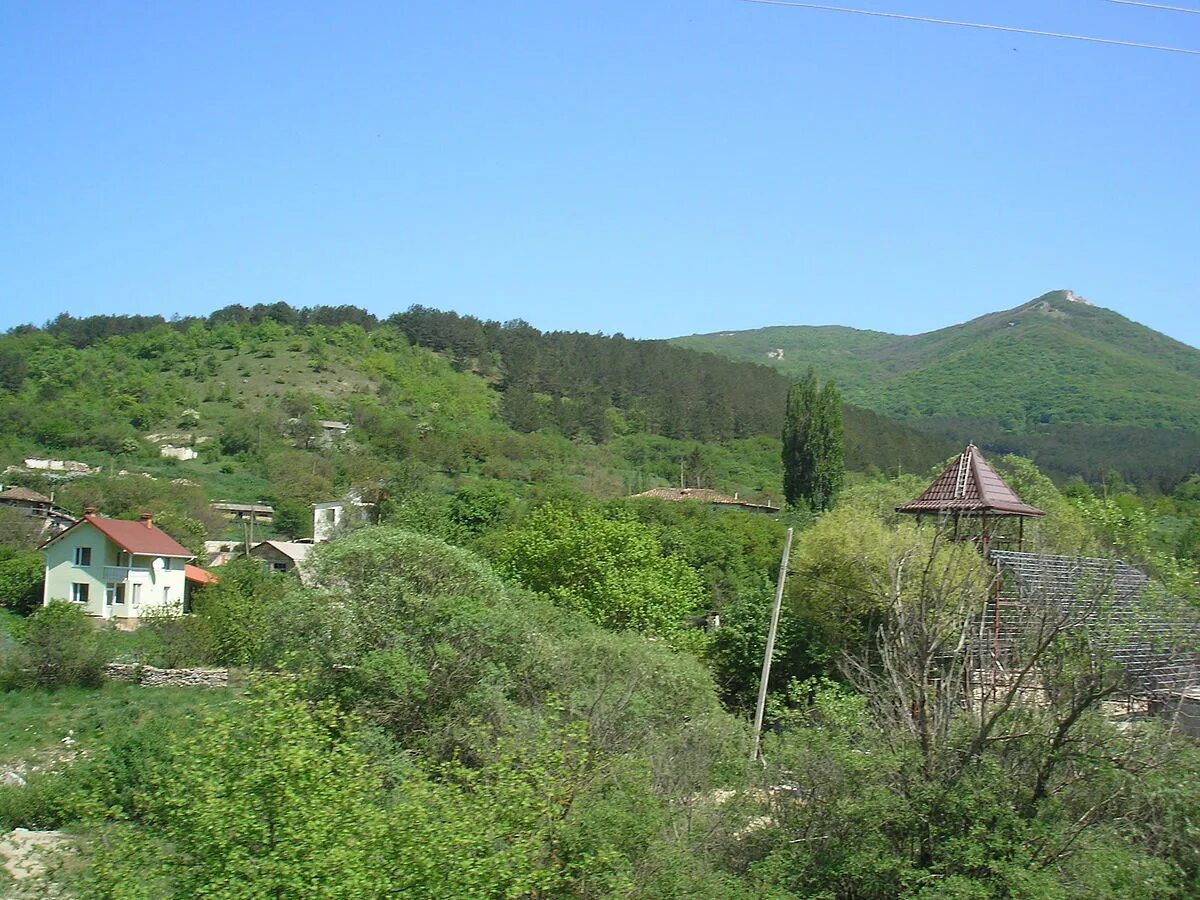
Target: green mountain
column 1055, row 359
column 1026, row 378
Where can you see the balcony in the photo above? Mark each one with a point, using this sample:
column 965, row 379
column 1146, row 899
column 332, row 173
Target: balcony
column 127, row 574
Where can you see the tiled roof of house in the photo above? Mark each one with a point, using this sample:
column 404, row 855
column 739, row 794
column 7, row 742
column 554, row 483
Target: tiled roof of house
column 142, row 537
column 197, row 575
column 294, row 550
column 23, row 495
column 970, row 484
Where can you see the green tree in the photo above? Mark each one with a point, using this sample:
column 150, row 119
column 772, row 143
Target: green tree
column 21, row 574
column 813, row 444
column 611, row 568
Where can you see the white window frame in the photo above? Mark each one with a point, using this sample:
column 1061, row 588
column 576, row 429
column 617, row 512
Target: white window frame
column 83, row 557
column 135, row 593
column 114, row 593
column 79, row 588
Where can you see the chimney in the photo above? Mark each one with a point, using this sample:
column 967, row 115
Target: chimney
column 89, row 510
column 147, row 519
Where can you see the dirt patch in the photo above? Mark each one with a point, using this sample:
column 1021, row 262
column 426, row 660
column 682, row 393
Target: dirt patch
column 30, row 858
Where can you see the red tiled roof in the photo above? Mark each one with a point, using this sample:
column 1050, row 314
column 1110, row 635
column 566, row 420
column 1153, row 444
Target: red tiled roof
column 970, row 484
column 198, row 575
column 143, row 537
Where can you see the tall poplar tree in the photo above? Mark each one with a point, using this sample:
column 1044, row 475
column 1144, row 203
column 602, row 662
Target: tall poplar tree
column 813, row 445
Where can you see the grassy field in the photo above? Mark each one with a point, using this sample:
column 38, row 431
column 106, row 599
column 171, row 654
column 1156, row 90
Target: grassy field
column 34, row 723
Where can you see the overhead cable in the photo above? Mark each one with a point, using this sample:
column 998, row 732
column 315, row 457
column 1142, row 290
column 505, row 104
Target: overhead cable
column 1182, row 9
column 987, row 27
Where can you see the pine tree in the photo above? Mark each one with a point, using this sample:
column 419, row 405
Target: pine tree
column 813, row 467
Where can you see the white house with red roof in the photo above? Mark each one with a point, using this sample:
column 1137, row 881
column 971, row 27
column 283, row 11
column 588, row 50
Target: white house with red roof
column 119, row 569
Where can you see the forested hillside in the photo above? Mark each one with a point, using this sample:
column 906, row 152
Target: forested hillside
column 425, row 392
column 1054, row 378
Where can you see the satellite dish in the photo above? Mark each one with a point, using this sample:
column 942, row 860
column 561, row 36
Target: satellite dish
column 158, row 564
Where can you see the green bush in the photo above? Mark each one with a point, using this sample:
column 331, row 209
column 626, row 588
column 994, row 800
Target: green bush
column 21, row 574
column 57, row 646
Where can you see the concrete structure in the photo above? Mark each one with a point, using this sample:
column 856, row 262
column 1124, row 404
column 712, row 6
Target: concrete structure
column 329, row 518
column 117, row 569
column 172, row 452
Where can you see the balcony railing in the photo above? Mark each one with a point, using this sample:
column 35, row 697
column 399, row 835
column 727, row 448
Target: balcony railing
column 126, row 573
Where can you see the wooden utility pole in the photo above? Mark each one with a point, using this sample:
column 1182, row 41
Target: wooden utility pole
column 766, row 667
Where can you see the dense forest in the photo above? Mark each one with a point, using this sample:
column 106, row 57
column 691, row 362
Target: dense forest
column 518, row 681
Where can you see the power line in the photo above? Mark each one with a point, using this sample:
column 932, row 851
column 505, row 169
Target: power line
column 1182, row 9
column 1007, row 28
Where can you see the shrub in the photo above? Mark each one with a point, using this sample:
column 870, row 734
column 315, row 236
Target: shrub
column 21, row 574
column 57, row 646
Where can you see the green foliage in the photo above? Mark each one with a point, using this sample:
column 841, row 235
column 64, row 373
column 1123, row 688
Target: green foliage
column 239, row 612
column 21, row 577
column 57, row 646
column 812, row 444
column 266, row 803
column 610, row 568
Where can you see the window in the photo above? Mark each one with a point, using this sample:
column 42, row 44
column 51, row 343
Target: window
column 123, row 559
column 114, row 592
column 79, row 592
column 166, row 596
column 83, row 556
column 166, row 564
column 135, row 593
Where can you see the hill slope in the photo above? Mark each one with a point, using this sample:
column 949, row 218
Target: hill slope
column 436, row 402
column 1052, row 360
column 1055, row 378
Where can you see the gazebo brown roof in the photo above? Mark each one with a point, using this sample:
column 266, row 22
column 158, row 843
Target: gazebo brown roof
column 970, row 485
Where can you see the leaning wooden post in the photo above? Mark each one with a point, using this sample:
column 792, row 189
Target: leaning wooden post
column 766, row 668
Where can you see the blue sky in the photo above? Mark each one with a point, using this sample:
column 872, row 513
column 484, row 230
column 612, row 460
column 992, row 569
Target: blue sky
column 654, row 168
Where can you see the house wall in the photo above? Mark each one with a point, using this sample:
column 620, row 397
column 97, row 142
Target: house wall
column 273, row 557
column 61, row 573
column 1187, row 717
column 327, row 519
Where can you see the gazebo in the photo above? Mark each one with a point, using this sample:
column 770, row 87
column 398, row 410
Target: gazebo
column 970, row 487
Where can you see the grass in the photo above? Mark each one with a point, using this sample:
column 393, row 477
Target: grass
column 36, row 721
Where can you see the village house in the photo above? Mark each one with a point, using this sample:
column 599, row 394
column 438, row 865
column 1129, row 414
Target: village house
column 245, row 512
column 284, row 556
column 336, row 515
column 118, row 569
column 48, row 519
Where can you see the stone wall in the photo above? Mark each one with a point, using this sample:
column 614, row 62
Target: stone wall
column 149, row 676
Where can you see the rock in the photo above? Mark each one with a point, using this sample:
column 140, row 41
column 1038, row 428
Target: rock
column 24, row 853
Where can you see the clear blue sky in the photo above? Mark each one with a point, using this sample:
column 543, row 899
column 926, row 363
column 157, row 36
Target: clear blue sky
column 656, row 168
